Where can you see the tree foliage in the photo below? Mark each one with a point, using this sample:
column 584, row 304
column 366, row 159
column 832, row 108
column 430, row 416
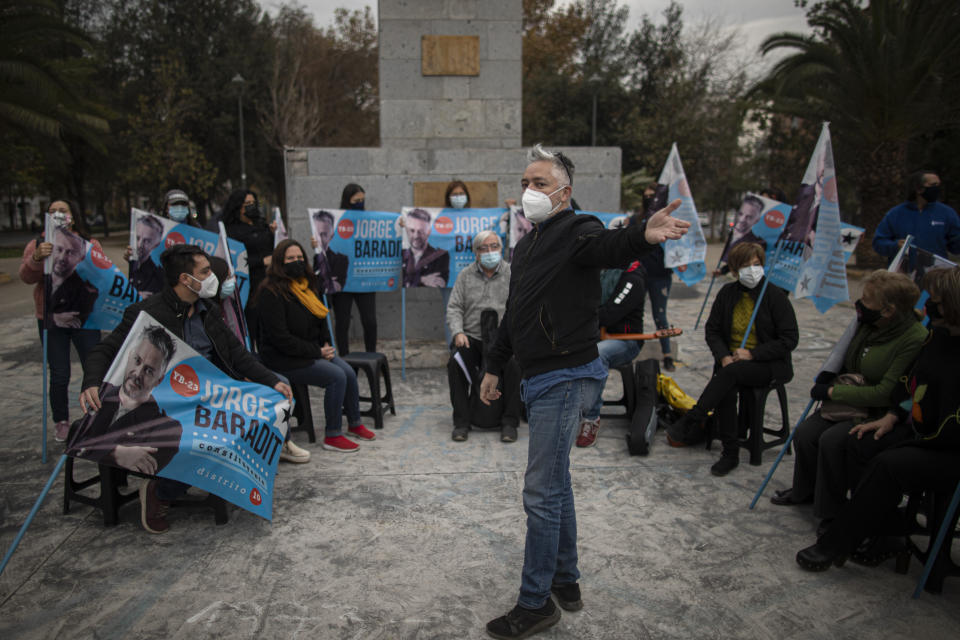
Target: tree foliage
column 884, row 74
column 660, row 84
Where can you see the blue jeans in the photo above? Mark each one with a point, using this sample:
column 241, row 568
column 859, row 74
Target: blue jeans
column 341, row 393
column 550, row 553
column 58, row 359
column 659, row 289
column 613, row 353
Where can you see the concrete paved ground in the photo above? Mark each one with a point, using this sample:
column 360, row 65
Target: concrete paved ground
column 417, row 536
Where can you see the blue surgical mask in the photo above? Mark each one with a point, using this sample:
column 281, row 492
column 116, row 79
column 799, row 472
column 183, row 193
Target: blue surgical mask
column 357, row 206
column 179, row 212
column 228, row 287
column 490, row 259
column 458, row 201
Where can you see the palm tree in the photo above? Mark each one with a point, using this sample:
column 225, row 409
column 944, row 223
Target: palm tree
column 884, row 74
column 42, row 67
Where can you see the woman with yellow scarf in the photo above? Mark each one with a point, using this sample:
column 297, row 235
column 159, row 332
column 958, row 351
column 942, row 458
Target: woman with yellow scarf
column 293, row 339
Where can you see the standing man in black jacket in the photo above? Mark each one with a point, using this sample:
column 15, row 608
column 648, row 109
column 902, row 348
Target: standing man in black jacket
column 183, row 307
column 551, row 326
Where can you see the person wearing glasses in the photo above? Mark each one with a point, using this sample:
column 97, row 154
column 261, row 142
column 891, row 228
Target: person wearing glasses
column 477, row 302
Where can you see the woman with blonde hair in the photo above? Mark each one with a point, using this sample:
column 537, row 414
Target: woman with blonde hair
column 923, row 415
column 887, row 341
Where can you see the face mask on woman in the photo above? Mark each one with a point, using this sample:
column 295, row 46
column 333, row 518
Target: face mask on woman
column 751, row 276
column 295, row 269
column 179, row 212
column 252, row 211
column 537, row 206
column 865, row 315
column 459, row 201
column 357, row 206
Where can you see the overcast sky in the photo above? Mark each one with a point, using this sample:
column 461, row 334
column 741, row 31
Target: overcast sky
column 755, row 19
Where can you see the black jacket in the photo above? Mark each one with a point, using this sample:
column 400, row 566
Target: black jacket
column 169, row 310
column 775, row 327
column 551, row 321
column 258, row 239
column 290, row 337
column 623, row 312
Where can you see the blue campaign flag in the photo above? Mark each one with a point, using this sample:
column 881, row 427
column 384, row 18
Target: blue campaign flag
column 687, row 255
column 809, row 257
column 438, row 243
column 82, row 288
column 151, row 235
column 168, row 411
column 759, row 220
column 356, row 251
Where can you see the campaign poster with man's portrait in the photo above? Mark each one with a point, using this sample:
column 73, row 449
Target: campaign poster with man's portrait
column 759, row 220
column 438, row 243
column 151, row 235
column 167, row 411
column 358, row 251
column 82, row 288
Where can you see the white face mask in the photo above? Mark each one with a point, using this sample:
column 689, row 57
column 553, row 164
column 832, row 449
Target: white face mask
column 208, row 286
column 751, row 276
column 537, row 205
column 459, row 201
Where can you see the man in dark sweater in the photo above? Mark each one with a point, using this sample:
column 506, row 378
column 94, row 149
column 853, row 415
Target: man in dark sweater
column 183, row 307
column 551, row 326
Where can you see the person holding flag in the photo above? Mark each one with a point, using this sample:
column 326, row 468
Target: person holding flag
column 887, row 340
column 923, row 418
column 184, row 308
column 764, row 358
column 59, row 335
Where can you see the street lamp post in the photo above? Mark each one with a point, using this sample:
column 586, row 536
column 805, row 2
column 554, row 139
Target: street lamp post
column 239, row 81
column 594, row 82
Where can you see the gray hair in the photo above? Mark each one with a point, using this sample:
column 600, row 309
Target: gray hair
column 479, row 239
column 562, row 165
column 159, row 338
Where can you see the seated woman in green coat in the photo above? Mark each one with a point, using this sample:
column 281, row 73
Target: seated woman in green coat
column 886, row 343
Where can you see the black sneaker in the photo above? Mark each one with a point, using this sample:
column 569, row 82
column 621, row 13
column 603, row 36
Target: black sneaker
column 460, row 433
column 508, row 433
column 668, row 364
column 568, row 596
column 523, row 623
column 725, row 465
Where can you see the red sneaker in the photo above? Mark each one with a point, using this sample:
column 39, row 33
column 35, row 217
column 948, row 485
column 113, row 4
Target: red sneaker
column 153, row 510
column 362, row 432
column 588, row 433
column 339, row 443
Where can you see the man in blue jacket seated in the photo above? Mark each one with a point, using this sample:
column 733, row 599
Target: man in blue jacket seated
column 623, row 293
column 935, row 227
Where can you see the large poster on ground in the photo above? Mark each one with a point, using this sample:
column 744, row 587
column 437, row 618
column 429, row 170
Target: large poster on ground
column 167, row 411
column 355, row 251
column 82, row 288
column 687, row 255
column 438, row 243
column 151, row 235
